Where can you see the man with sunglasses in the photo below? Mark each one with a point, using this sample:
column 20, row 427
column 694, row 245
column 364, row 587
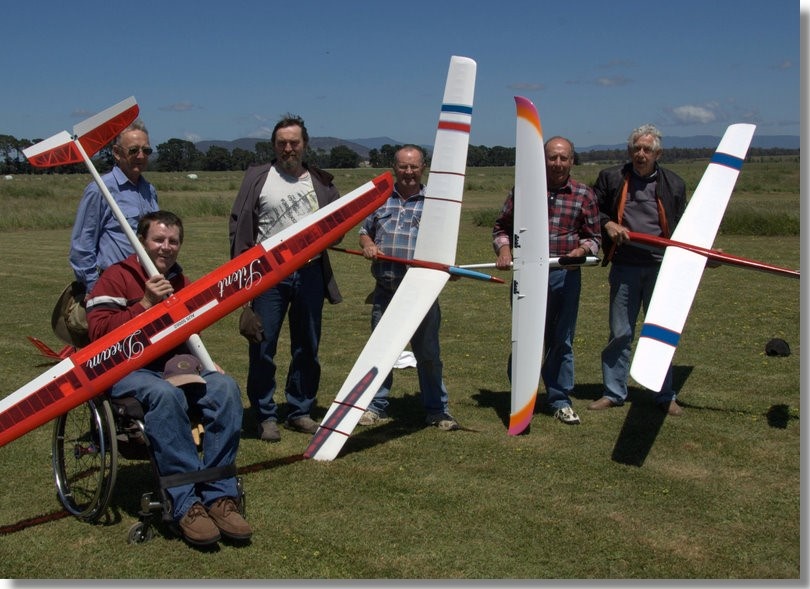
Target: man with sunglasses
column 98, row 240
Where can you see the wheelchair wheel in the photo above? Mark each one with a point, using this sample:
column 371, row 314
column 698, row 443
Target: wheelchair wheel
column 85, row 458
column 139, row 533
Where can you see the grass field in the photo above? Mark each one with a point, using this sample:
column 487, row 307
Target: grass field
column 629, row 494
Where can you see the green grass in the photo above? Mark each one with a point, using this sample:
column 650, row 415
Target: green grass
column 628, row 494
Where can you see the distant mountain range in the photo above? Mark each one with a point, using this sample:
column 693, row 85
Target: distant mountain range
column 360, row 146
column 711, row 141
column 364, row 145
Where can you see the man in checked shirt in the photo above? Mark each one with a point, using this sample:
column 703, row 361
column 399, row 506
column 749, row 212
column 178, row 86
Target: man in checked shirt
column 392, row 230
column 574, row 230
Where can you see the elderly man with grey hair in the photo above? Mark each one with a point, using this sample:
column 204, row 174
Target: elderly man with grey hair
column 643, row 197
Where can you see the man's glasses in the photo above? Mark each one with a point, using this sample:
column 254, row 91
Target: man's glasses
column 135, row 149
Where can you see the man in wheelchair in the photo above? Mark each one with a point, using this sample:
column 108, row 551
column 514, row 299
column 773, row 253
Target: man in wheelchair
column 171, row 385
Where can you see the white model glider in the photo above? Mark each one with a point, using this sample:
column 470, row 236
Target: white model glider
column 529, row 265
column 681, row 269
column 436, row 242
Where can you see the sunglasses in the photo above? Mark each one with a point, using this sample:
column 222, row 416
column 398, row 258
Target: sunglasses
column 134, row 150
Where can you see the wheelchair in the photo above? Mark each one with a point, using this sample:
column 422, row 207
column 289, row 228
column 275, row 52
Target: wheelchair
column 88, row 442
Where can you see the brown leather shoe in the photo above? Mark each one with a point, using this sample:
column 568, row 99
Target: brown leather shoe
column 225, row 514
column 602, row 403
column 671, row 408
column 197, row 528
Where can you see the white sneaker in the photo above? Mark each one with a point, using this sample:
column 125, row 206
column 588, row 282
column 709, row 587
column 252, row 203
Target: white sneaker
column 567, row 415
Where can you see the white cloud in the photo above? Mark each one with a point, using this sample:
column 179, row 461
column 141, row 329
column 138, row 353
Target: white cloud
column 263, row 132
column 607, row 82
column 689, row 114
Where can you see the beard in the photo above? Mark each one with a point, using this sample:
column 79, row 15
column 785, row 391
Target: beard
column 291, row 164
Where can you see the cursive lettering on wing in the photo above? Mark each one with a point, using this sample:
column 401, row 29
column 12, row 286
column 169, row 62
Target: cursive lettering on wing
column 243, row 278
column 126, row 349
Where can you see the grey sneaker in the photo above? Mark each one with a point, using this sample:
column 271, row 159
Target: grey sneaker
column 304, row 424
column 444, row 421
column 370, row 417
column 268, row 431
column 567, row 415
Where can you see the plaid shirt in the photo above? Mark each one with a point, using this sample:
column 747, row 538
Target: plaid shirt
column 573, row 220
column 394, row 227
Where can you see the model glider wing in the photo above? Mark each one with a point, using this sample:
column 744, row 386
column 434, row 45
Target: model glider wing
column 529, row 265
column 97, row 131
column 405, row 312
column 681, row 269
column 436, row 242
column 94, row 368
column 453, row 270
column 661, row 243
column 49, row 352
column 93, row 134
column 553, row 262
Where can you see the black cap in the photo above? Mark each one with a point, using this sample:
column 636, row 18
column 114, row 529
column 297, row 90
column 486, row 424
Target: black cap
column 777, row 347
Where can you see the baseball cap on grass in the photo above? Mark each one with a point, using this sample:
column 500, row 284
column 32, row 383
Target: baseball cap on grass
column 183, row 369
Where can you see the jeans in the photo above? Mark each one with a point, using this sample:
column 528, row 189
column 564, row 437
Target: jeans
column 562, row 307
column 631, row 287
column 300, row 296
column 425, row 346
column 167, row 425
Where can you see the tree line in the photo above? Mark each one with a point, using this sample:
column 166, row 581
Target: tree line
column 178, row 155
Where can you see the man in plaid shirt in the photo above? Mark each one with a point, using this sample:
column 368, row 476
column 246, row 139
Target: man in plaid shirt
column 574, row 230
column 392, row 230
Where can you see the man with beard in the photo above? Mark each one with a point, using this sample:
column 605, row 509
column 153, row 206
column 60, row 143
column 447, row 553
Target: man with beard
column 273, row 197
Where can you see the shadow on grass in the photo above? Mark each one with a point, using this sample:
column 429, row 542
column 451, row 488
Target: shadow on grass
column 643, row 421
column 406, row 416
column 640, row 428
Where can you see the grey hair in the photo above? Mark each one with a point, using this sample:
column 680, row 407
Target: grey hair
column 645, row 130
column 136, row 125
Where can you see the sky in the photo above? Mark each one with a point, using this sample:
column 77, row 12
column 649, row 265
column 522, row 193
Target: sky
column 595, row 69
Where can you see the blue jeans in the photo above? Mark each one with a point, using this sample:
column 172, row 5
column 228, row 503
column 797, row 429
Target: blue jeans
column 425, row 346
column 631, row 287
column 167, row 425
column 562, row 307
column 300, row 296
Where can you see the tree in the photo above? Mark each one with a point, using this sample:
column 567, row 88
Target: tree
column 242, row 159
column 264, row 152
column 374, row 158
column 217, row 159
column 343, row 157
column 177, row 155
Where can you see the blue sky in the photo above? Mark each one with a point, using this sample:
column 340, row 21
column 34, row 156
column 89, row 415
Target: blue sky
column 224, row 70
